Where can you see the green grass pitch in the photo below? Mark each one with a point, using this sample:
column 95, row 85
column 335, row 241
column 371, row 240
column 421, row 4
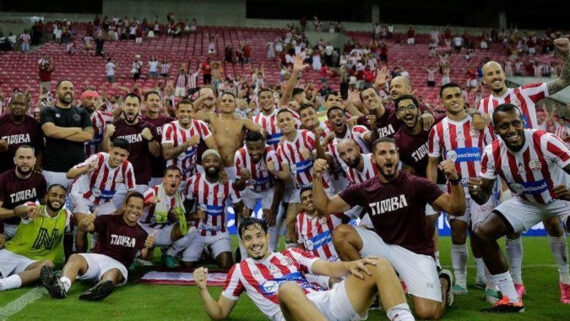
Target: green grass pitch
column 164, row 302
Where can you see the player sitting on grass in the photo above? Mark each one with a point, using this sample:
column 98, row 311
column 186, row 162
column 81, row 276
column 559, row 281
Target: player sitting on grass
column 37, row 240
column 119, row 238
column 276, row 283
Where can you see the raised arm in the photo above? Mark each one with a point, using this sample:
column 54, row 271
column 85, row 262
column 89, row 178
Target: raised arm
column 454, row 202
column 556, row 85
column 298, row 66
column 216, row 310
column 322, row 202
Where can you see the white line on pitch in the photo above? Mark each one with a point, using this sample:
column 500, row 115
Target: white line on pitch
column 21, row 302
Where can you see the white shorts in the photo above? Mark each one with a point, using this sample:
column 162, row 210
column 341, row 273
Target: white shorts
column 57, row 178
column 80, row 204
column 475, row 213
column 418, row 271
column 164, row 232
column 98, row 265
column 250, row 198
column 429, row 209
column 219, row 243
column 334, row 304
column 523, row 215
column 12, row 263
column 231, row 171
column 180, row 91
column 122, row 193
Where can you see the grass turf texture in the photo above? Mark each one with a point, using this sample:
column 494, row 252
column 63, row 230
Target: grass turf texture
column 166, row 302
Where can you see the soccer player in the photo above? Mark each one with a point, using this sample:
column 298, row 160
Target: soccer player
column 119, row 238
column 165, row 213
column 16, row 129
column 257, row 183
column 66, row 129
column 180, row 140
column 96, row 180
column 37, row 240
column 455, row 138
column 18, row 186
column 267, row 117
column 276, row 283
column 536, row 167
column 209, row 194
column 396, row 201
column 143, row 144
column 99, row 119
column 525, row 98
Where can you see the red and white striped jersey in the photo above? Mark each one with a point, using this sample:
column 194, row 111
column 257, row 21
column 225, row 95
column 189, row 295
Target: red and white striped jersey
column 534, row 171
column 356, row 133
column 100, row 119
column 460, row 142
column 290, row 153
column 261, row 180
column 173, row 133
column 269, row 123
column 261, row 279
column 181, row 80
column 524, row 97
column 212, row 198
column 101, row 184
column 368, row 171
column 150, row 207
column 193, row 80
column 315, row 233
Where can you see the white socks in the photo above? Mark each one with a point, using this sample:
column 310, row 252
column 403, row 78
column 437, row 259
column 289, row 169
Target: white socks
column 400, row 312
column 560, row 252
column 480, row 268
column 514, row 251
column 11, row 282
column 180, row 244
column 506, row 286
column 459, row 257
column 66, row 283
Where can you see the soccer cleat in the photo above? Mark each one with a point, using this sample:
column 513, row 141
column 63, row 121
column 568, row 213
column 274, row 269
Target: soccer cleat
column 98, row 292
column 521, row 290
column 505, row 306
column 169, row 261
column 459, row 290
column 450, row 297
column 479, row 282
column 52, row 283
column 492, row 296
column 565, row 293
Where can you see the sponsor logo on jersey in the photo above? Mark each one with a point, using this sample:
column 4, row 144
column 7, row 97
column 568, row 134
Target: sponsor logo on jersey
column 121, row 240
column 420, row 153
column 388, row 205
column 271, row 287
column 17, row 139
column 465, row 154
column 318, row 241
column 386, row 131
column 531, row 188
column 25, row 195
column 534, row 164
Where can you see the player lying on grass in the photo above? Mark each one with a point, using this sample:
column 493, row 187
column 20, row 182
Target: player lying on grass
column 37, row 240
column 119, row 237
column 276, row 283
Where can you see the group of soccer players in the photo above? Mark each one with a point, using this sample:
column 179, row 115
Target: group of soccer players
column 358, row 191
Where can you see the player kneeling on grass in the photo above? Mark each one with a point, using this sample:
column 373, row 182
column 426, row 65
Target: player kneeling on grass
column 276, row 283
column 119, row 238
column 36, row 242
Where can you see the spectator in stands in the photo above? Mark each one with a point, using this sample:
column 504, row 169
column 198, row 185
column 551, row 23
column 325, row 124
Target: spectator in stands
column 193, row 25
column 153, row 68
column 247, row 53
column 206, row 72
column 25, row 38
column 110, row 70
column 430, row 69
column 411, row 36
column 181, row 83
column 136, row 68
column 376, row 31
column 212, row 45
column 99, row 43
column 458, row 43
column 46, row 69
column 13, row 40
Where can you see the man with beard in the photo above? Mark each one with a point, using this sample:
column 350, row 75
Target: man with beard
column 228, row 130
column 257, row 183
column 141, row 137
column 455, row 138
column 119, row 239
column 18, row 186
column 535, row 165
column 99, row 120
column 16, row 129
column 209, row 194
column 66, row 129
column 96, row 180
column 396, row 201
column 206, row 101
column 165, row 213
column 37, row 240
column 277, row 283
column 412, row 142
column 181, row 140
column 525, row 98
column 152, row 113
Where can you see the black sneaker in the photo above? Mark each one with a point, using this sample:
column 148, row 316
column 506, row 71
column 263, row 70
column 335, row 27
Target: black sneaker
column 98, row 292
column 505, row 306
column 52, row 283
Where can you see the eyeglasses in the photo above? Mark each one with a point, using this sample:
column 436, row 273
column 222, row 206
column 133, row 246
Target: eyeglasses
column 411, row 108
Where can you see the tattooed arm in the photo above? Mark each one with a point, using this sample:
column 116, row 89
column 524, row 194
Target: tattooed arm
column 556, row 85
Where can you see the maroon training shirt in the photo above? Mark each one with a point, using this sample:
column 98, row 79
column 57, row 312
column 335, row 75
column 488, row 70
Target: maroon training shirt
column 139, row 155
column 26, row 133
column 158, row 163
column 118, row 240
column 15, row 191
column 397, row 209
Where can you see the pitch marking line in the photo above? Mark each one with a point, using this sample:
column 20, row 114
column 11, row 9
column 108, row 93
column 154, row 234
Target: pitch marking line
column 21, row 302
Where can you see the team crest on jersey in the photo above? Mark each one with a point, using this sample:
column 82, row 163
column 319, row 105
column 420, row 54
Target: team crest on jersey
column 76, row 117
column 451, row 154
column 535, row 165
column 309, row 245
column 474, row 132
column 516, row 188
column 286, row 261
column 273, row 269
